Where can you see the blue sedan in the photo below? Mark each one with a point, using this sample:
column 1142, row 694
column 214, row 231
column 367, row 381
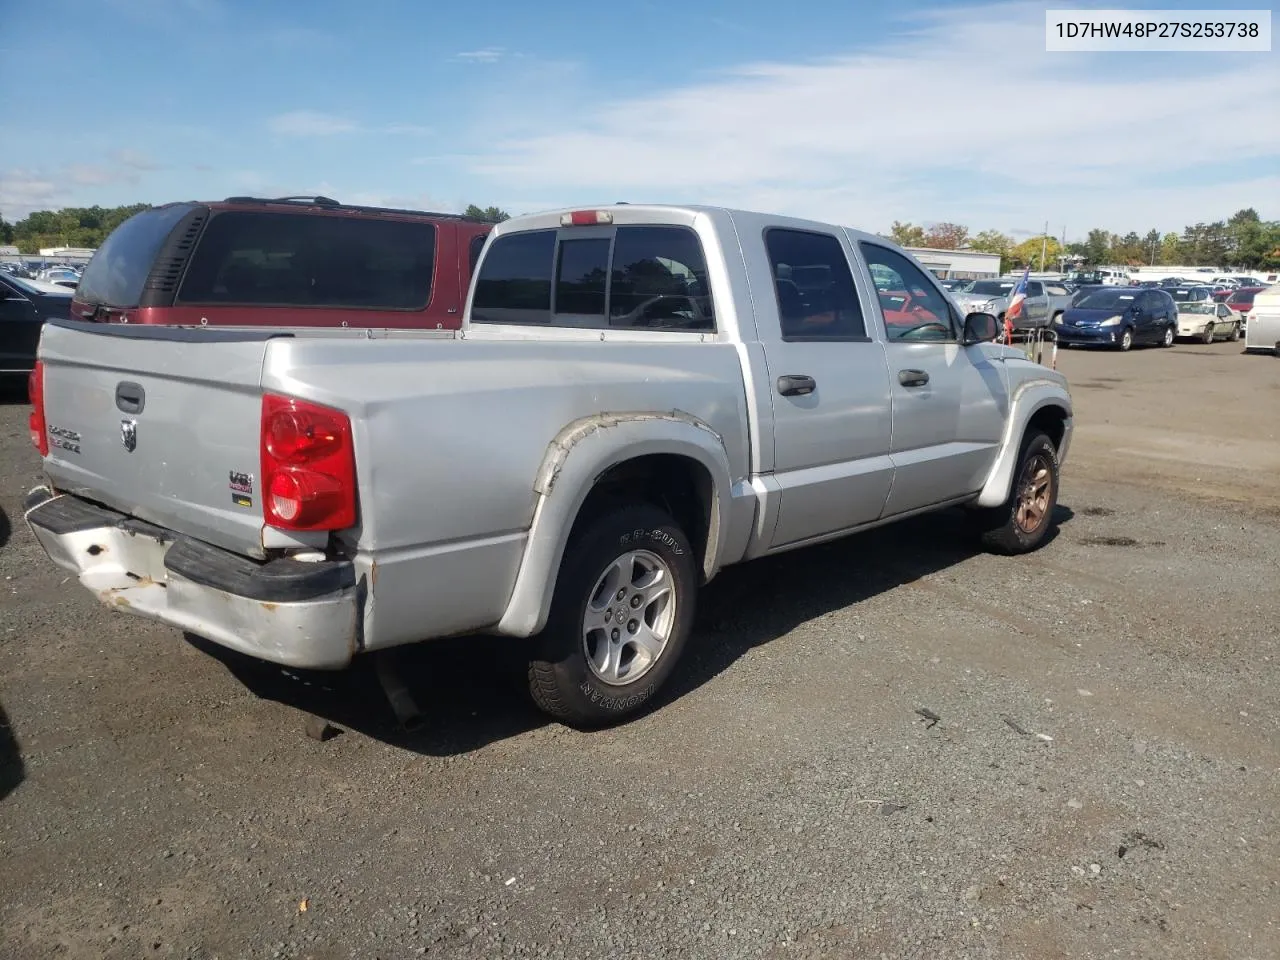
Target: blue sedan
column 1119, row 317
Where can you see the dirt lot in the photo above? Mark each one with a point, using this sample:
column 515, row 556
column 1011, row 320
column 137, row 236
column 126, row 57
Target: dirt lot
column 1102, row 782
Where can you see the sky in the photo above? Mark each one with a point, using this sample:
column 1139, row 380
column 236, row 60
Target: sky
column 848, row 111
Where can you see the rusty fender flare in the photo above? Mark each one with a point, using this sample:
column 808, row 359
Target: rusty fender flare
column 1032, row 395
column 574, row 461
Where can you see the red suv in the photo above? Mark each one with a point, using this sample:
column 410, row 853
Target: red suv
column 292, row 261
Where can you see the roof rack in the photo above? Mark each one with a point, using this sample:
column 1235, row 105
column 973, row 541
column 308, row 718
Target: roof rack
column 330, row 204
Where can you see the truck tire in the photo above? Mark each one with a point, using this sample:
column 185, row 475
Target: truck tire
column 1020, row 524
column 620, row 617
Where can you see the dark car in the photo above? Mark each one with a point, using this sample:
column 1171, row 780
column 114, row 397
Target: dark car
column 24, row 306
column 1120, row 317
column 1241, row 300
column 289, row 262
column 1189, row 294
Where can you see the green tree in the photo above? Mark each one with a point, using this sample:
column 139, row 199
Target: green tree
column 906, row 234
column 492, row 214
column 1028, row 253
column 6, row 231
column 1170, row 250
column 946, row 236
column 1150, row 246
column 1097, row 246
column 993, row 241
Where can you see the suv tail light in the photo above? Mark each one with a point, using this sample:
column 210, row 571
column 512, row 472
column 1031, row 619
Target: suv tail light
column 36, row 422
column 308, row 466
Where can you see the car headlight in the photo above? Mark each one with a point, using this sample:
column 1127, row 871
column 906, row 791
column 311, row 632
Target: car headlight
column 1057, row 320
column 1111, row 321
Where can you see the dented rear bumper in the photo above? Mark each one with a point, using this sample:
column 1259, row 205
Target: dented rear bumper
column 286, row 611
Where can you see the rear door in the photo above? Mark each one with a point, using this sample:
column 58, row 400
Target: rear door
column 950, row 402
column 829, row 381
column 162, row 424
column 1035, row 304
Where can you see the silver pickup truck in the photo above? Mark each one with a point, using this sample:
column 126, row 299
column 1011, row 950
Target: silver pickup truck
column 1046, row 300
column 639, row 396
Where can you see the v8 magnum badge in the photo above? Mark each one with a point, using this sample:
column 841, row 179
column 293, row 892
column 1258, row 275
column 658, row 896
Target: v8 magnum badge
column 129, row 434
column 241, row 488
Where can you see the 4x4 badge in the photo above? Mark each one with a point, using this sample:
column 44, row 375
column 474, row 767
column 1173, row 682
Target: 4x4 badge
column 129, row 434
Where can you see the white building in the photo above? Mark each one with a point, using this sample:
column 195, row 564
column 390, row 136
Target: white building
column 957, row 264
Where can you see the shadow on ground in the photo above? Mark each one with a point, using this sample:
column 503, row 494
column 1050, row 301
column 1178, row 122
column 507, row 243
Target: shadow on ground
column 12, row 770
column 6, row 528
column 472, row 690
column 13, row 389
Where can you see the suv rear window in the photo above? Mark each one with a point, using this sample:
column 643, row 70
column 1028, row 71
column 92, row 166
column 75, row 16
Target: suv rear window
column 303, row 260
column 117, row 274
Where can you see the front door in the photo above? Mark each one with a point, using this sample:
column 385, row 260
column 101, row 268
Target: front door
column 950, row 402
column 1035, row 304
column 830, row 389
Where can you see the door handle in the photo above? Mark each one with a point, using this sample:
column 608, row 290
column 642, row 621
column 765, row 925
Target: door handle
column 796, row 385
column 130, row 397
column 913, row 378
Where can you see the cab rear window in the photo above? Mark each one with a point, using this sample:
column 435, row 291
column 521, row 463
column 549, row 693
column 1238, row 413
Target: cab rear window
column 301, row 260
column 117, row 274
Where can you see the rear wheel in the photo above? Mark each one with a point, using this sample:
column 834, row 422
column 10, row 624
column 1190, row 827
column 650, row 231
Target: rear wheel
column 1021, row 523
column 620, row 617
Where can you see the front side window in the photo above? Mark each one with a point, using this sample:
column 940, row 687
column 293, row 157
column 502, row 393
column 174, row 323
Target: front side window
column 1034, row 289
column 913, row 309
column 304, row 260
column 633, row 277
column 814, row 287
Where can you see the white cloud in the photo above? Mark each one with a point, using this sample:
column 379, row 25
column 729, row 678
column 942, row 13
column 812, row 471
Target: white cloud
column 870, row 137
column 310, row 123
column 483, row 55
column 22, row 191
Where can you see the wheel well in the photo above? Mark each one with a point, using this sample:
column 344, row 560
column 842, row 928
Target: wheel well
column 680, row 485
column 1052, row 421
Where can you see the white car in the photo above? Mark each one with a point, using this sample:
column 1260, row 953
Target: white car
column 1208, row 321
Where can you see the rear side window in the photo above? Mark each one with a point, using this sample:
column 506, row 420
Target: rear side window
column 633, row 277
column 473, row 253
column 814, row 287
column 117, row 274
column 514, row 285
column 301, row 260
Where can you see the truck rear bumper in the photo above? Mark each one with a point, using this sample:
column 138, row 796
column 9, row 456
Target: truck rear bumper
column 285, row 611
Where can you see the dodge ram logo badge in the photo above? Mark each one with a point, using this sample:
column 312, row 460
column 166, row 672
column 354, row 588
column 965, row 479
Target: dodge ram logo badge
column 129, row 434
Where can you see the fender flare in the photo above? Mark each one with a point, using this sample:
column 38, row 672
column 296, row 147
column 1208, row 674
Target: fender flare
column 574, row 462
column 1030, row 397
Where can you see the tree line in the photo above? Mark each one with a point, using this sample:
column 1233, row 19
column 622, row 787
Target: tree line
column 89, row 226
column 1244, row 240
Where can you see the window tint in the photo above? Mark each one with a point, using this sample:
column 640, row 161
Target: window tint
column 1034, row 289
column 912, row 307
column 659, row 280
column 473, row 254
column 580, row 276
column 814, row 287
column 514, row 285
column 285, row 259
column 117, row 274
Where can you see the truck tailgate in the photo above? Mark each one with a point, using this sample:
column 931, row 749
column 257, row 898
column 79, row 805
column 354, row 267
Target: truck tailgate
column 160, row 423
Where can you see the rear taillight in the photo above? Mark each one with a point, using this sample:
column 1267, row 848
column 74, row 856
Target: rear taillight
column 308, row 466
column 35, row 422
column 585, row 218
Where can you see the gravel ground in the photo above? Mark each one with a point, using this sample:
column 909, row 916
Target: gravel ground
column 1101, row 781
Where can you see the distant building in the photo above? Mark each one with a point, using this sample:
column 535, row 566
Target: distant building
column 957, row 264
column 68, row 253
column 9, row 251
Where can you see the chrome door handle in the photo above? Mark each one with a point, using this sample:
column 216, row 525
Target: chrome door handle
column 913, row 378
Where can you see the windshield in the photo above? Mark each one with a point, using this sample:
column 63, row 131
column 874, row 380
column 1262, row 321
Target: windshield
column 1184, row 295
column 989, row 288
column 1203, row 306
column 1106, row 300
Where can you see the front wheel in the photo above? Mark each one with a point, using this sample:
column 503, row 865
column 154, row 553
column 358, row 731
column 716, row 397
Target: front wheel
column 1126, row 339
column 620, row 617
column 1207, row 336
column 1021, row 523
column 1167, row 340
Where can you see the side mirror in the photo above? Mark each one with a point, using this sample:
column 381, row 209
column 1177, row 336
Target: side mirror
column 980, row 328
